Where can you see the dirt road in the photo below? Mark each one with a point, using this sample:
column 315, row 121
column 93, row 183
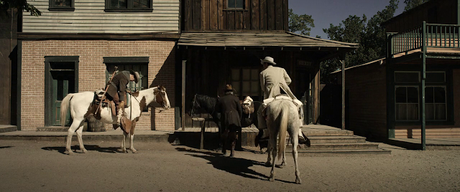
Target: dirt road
column 41, row 166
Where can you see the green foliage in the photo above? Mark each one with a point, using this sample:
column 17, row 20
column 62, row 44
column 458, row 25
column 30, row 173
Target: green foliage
column 301, row 23
column 369, row 35
column 6, row 5
column 413, row 3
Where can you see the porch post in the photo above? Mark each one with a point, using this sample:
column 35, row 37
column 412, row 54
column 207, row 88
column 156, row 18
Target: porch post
column 184, row 68
column 342, row 61
column 422, row 87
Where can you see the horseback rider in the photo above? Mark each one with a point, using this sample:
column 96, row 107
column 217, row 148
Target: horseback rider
column 274, row 81
column 116, row 91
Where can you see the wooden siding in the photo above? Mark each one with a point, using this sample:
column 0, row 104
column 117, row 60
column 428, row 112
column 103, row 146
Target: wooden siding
column 366, row 100
column 89, row 17
column 213, row 15
column 445, row 11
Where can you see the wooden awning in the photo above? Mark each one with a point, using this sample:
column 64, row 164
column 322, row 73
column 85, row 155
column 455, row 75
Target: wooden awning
column 260, row 40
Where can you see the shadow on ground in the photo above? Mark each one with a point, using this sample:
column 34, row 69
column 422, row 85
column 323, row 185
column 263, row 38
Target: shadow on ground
column 76, row 149
column 233, row 165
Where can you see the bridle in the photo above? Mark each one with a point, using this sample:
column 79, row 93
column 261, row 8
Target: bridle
column 160, row 96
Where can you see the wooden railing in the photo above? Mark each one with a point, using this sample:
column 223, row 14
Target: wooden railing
column 433, row 35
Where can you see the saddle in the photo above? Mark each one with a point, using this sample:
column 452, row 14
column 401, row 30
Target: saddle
column 102, row 101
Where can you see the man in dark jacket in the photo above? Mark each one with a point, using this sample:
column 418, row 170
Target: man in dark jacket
column 230, row 108
column 116, row 91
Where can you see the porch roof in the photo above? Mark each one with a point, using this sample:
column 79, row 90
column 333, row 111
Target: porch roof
column 260, row 39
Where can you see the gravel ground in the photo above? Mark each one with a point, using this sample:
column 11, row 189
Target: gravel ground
column 41, row 166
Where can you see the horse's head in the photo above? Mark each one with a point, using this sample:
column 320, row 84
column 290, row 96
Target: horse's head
column 195, row 106
column 247, row 105
column 161, row 97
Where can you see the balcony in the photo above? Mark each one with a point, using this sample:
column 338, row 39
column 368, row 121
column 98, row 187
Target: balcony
column 438, row 40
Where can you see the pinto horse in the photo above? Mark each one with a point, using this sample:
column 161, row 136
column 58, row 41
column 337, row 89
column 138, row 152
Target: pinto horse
column 282, row 116
column 250, row 108
column 83, row 104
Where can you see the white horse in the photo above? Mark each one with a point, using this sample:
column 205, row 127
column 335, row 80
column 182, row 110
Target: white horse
column 282, row 116
column 82, row 104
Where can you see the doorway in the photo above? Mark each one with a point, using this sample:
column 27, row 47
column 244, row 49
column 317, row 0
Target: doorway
column 61, row 75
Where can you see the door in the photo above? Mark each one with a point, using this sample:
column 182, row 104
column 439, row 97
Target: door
column 61, row 86
column 61, row 79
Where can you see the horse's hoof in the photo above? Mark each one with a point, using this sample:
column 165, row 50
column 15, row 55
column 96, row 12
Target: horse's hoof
column 134, row 150
column 68, row 152
column 271, row 179
column 297, row 181
column 84, row 151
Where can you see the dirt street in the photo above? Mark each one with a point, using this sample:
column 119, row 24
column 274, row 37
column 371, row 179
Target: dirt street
column 41, row 166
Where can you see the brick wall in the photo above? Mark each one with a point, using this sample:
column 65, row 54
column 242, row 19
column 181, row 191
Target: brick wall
column 92, row 74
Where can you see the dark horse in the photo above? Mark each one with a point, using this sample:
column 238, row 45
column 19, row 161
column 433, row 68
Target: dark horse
column 206, row 104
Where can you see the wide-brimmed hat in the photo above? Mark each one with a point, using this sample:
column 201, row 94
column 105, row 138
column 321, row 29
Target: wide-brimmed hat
column 268, row 59
column 228, row 88
column 136, row 76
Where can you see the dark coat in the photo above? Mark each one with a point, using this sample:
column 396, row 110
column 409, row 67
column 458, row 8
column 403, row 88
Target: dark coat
column 119, row 83
column 230, row 108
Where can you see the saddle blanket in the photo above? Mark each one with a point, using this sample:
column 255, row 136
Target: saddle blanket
column 297, row 102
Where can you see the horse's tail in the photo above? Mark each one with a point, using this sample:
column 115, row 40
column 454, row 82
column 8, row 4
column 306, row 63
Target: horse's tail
column 283, row 129
column 65, row 103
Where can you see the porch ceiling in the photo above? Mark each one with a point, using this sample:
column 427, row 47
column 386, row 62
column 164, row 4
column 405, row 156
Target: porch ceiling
column 262, row 40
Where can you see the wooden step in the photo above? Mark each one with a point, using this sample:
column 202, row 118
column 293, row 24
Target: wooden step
column 343, row 152
column 337, row 139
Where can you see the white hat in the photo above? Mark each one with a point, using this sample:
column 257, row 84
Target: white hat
column 268, row 59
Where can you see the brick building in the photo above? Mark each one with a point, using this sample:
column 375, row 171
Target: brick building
column 75, row 45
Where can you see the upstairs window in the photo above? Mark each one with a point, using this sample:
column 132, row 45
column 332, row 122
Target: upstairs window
column 61, row 5
column 235, row 4
column 128, row 5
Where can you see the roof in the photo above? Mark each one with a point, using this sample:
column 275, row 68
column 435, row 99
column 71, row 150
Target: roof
column 259, row 39
column 377, row 61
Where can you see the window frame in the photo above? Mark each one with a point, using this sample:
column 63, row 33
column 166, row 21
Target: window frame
column 444, row 84
column 52, row 7
column 130, row 61
column 234, row 7
column 129, row 7
column 238, row 84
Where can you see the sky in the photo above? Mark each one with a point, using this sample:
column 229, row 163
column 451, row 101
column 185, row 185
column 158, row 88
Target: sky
column 325, row 12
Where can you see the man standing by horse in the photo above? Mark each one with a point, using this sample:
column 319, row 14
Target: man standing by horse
column 274, row 81
column 116, row 92
column 230, row 109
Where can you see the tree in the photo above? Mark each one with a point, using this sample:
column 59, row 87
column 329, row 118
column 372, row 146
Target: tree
column 301, row 23
column 5, row 5
column 413, row 3
column 369, row 35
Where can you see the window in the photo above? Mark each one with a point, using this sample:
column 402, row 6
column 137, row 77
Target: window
column 61, row 5
column 129, row 5
column 139, row 64
column 407, row 96
column 235, row 4
column 246, row 82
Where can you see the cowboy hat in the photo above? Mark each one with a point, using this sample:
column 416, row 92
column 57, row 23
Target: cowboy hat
column 268, row 59
column 228, row 88
column 136, row 76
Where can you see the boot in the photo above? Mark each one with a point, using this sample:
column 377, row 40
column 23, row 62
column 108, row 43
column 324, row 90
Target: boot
column 120, row 113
